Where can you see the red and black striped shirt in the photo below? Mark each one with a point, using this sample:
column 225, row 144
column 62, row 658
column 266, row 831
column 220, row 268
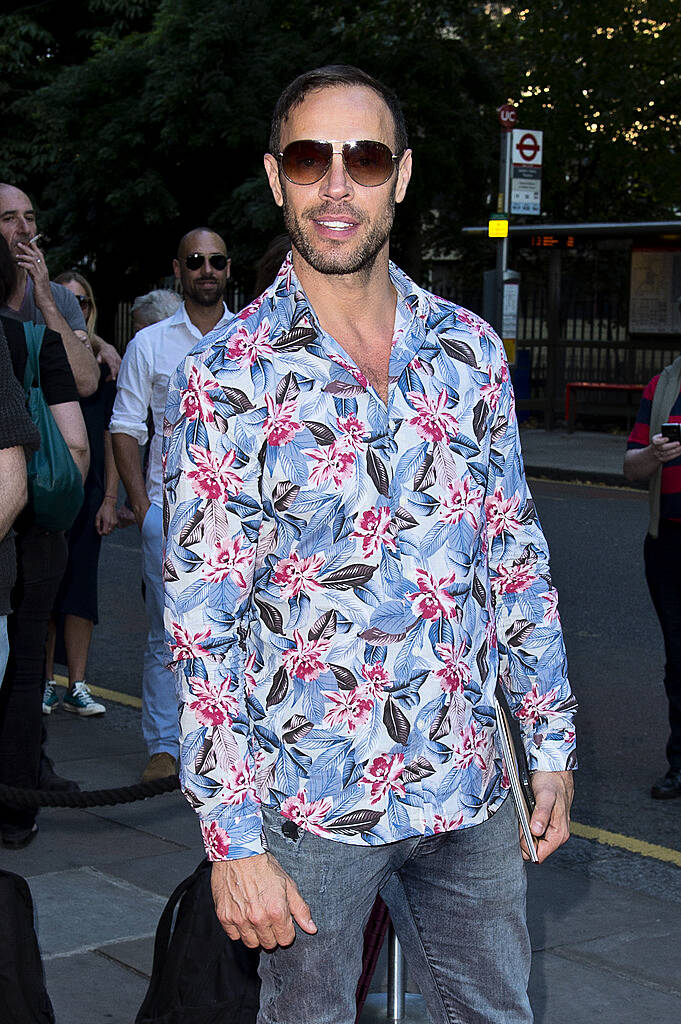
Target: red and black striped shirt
column 670, row 494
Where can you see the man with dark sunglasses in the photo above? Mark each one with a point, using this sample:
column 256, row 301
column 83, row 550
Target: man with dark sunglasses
column 353, row 563
column 202, row 267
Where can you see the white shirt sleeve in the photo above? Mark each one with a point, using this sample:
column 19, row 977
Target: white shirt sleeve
column 133, row 396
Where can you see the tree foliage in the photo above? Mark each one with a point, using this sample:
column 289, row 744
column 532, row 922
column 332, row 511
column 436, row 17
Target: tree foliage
column 153, row 115
column 603, row 81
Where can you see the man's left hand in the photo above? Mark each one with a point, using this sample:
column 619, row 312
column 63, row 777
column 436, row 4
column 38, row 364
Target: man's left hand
column 108, row 354
column 550, row 822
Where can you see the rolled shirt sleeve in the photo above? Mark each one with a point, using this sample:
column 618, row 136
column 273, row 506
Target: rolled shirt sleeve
column 133, row 396
column 533, row 663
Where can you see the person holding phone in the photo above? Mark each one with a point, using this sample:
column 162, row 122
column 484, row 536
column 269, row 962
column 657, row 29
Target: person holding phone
column 654, row 455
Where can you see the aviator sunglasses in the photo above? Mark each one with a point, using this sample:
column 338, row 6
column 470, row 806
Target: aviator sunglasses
column 195, row 260
column 368, row 163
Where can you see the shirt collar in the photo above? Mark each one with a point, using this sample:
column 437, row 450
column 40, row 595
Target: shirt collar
column 411, row 319
column 180, row 316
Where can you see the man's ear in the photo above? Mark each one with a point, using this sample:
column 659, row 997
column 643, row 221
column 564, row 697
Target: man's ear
column 176, row 269
column 272, row 170
column 229, row 268
column 403, row 175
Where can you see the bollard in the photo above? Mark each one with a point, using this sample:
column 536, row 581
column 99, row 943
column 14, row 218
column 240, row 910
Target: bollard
column 395, row 1008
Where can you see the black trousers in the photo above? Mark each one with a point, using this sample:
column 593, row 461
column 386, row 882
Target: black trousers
column 41, row 560
column 662, row 557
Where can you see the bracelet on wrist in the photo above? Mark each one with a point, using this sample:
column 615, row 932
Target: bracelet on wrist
column 110, row 497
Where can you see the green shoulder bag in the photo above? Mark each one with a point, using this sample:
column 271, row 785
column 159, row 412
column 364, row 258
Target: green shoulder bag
column 55, row 486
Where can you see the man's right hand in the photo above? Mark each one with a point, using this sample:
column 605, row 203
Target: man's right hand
column 257, row 902
column 140, row 512
column 663, row 449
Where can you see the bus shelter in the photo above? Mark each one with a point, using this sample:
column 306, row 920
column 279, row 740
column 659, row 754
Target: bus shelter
column 597, row 315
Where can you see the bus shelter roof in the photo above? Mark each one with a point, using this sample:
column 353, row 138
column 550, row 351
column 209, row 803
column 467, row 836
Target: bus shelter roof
column 596, row 229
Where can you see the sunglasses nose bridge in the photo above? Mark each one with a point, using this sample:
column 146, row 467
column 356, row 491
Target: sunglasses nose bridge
column 337, row 179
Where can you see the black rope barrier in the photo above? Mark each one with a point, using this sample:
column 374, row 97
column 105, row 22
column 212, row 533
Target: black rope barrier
column 13, row 797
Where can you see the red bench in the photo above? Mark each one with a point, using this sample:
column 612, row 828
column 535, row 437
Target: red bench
column 589, row 385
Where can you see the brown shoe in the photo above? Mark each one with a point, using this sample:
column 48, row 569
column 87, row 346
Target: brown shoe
column 159, row 766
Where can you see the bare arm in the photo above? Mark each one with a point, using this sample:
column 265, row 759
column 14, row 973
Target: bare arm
column 641, row 463
column 13, row 493
column 106, row 519
column 69, row 419
column 127, row 455
column 78, row 350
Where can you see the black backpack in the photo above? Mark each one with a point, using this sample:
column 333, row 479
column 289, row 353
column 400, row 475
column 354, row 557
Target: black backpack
column 23, row 996
column 199, row 975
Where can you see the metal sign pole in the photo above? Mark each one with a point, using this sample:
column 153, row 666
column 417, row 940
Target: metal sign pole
column 396, row 980
column 502, row 207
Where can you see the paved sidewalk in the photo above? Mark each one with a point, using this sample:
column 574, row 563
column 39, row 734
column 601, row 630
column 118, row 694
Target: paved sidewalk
column 583, row 455
column 602, row 951
column 100, row 878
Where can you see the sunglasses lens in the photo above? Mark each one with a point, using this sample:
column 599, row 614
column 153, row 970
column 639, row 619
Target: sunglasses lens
column 305, row 162
column 217, row 261
column 368, row 163
column 196, row 259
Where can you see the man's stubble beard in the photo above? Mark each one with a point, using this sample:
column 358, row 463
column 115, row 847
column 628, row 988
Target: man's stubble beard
column 337, row 261
column 202, row 298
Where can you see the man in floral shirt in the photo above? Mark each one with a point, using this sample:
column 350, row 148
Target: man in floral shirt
column 353, row 561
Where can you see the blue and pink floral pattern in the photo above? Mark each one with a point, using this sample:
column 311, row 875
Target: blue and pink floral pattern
column 346, row 582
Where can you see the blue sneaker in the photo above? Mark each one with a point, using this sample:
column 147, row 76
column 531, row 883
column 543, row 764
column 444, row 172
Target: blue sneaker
column 80, row 701
column 50, row 698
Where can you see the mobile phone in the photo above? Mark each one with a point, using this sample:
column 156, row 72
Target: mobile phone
column 672, row 431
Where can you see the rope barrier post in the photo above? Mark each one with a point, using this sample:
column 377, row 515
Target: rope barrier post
column 395, row 1008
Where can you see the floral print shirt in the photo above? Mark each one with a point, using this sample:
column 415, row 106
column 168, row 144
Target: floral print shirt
column 346, row 582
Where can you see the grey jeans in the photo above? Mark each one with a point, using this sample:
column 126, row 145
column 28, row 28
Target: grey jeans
column 456, row 899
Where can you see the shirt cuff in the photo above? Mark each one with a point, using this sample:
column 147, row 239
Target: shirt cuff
column 219, row 845
column 555, row 752
column 136, row 430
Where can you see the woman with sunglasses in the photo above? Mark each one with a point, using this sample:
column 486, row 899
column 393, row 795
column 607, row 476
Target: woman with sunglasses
column 75, row 610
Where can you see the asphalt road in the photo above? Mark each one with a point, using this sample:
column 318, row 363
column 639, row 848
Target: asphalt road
column 613, row 640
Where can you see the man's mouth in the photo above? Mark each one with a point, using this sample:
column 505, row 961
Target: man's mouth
column 334, row 226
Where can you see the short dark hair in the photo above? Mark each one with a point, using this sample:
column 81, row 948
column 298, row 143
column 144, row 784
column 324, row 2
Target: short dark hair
column 325, row 78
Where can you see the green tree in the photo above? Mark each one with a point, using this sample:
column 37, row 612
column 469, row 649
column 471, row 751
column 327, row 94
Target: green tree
column 603, row 82
column 162, row 124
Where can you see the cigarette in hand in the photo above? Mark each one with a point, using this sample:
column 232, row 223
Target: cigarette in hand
column 34, row 239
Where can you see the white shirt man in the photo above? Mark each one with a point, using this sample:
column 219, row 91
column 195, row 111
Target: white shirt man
column 202, row 267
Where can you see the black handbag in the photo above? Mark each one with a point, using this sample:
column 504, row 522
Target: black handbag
column 199, row 974
column 23, row 996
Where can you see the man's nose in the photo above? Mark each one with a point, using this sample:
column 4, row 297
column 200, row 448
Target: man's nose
column 336, row 183
column 25, row 227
